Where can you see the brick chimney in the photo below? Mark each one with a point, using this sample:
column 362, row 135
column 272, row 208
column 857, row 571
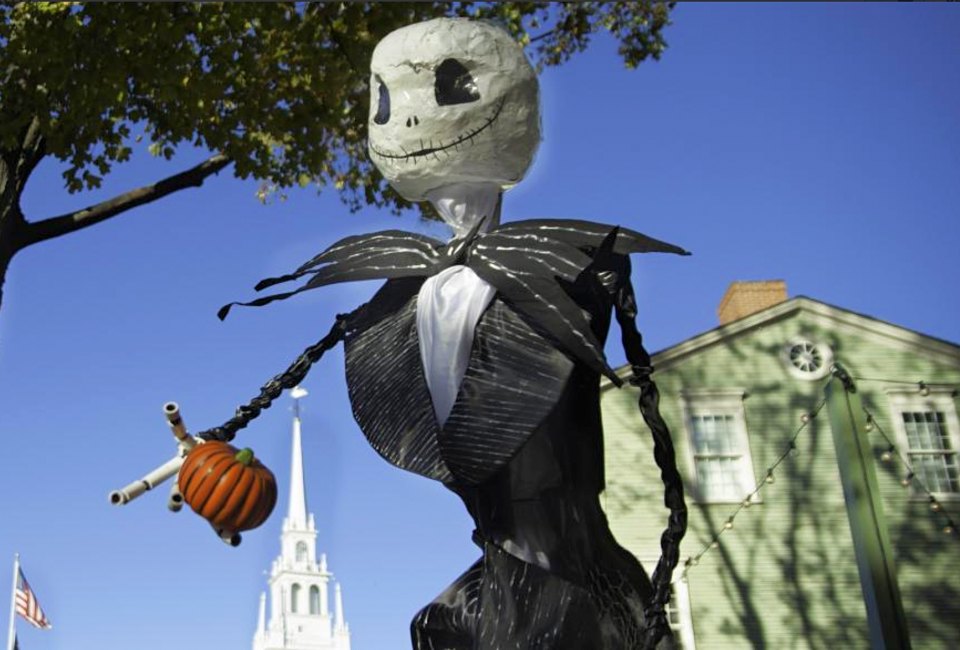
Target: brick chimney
column 745, row 298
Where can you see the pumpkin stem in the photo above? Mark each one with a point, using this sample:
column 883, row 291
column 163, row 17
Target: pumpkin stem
column 244, row 456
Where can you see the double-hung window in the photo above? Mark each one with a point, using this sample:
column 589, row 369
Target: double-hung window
column 928, row 435
column 719, row 448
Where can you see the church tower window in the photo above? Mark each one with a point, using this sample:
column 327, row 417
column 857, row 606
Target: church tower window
column 314, row 599
column 294, row 598
column 301, row 551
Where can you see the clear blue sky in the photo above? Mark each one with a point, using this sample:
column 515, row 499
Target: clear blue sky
column 815, row 143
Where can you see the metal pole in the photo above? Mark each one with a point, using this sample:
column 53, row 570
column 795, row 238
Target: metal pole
column 878, row 574
column 11, row 633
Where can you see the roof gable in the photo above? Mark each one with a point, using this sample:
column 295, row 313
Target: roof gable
column 826, row 315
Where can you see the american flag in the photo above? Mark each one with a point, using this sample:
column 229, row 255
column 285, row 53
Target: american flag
column 27, row 605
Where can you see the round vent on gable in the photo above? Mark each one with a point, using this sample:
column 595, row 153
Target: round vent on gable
column 807, row 360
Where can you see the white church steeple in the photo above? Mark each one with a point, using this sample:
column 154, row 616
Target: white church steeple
column 297, row 510
column 299, row 583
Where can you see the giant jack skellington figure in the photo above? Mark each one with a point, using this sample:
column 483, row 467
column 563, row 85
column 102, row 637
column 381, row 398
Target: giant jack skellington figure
column 495, row 350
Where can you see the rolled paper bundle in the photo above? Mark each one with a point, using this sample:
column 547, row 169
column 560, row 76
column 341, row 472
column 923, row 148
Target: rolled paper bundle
column 148, row 482
column 175, row 501
column 229, row 488
column 171, row 411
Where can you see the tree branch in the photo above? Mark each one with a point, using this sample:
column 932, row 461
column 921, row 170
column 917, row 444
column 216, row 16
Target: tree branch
column 11, row 227
column 542, row 36
column 55, row 226
column 31, row 153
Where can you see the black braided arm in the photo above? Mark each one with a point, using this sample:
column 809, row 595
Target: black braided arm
column 663, row 452
column 288, row 379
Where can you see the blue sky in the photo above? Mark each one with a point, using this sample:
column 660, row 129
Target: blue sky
column 813, row 143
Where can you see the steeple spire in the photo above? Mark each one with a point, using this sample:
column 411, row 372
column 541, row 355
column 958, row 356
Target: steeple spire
column 300, row 616
column 262, row 618
column 297, row 513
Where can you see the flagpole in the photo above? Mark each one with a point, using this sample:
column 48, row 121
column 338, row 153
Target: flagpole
column 11, row 634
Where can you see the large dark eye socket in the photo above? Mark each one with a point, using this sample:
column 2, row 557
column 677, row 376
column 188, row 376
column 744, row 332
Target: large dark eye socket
column 383, row 105
column 454, row 85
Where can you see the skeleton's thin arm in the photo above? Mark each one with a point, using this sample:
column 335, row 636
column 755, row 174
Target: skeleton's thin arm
column 663, row 452
column 285, row 380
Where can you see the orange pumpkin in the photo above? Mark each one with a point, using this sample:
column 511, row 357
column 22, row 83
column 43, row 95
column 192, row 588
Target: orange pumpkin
column 231, row 489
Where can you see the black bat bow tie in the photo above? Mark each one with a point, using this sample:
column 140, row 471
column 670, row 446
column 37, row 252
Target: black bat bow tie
column 522, row 260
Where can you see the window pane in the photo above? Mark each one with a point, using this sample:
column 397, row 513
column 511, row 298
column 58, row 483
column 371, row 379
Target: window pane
column 933, row 458
column 719, row 478
column 713, row 434
column 717, row 457
column 938, row 472
column 926, row 430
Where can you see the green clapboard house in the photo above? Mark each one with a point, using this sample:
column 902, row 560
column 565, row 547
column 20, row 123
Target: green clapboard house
column 780, row 569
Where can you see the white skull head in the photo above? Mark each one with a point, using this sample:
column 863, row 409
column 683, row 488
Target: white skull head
column 453, row 101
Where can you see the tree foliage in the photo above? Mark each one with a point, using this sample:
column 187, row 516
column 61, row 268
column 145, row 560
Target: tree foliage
column 280, row 89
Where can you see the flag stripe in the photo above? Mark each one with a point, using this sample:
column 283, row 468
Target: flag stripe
column 27, row 605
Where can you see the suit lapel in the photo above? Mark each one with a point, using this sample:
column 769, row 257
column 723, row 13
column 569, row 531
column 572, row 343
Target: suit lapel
column 513, row 381
column 388, row 392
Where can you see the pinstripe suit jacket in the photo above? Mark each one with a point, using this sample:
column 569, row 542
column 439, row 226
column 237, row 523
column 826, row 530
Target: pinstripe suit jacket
column 514, row 379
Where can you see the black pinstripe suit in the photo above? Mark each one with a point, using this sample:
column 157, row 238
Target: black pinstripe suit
column 523, row 444
column 523, row 448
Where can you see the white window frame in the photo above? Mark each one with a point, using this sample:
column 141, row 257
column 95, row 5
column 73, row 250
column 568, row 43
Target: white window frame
column 680, row 600
column 912, row 401
column 719, row 402
column 684, row 628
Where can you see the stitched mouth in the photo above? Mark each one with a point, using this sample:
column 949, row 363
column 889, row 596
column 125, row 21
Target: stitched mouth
column 442, row 146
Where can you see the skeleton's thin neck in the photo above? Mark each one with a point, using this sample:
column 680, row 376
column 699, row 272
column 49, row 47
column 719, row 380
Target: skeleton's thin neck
column 463, row 204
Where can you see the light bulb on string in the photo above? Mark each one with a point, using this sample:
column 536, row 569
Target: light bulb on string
column 715, row 543
column 948, row 529
column 887, row 454
column 747, row 502
column 924, row 389
column 769, row 478
column 934, row 504
column 793, row 448
column 905, row 481
column 728, row 524
column 868, row 427
column 805, row 418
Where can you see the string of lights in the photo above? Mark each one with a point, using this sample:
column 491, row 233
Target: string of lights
column 922, row 386
column 910, row 477
column 891, row 452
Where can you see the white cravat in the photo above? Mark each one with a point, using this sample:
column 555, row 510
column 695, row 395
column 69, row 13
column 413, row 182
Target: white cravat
column 450, row 303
